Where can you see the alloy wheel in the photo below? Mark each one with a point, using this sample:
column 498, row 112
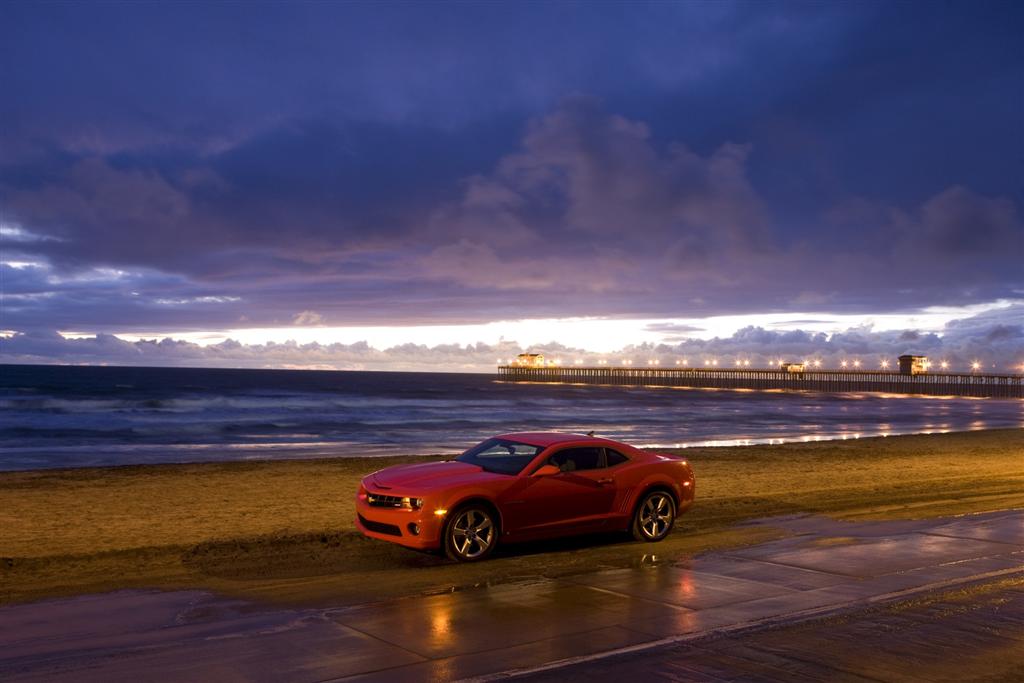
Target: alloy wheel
column 471, row 534
column 655, row 516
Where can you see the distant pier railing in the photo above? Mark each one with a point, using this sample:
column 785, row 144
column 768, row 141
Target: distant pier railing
column 932, row 384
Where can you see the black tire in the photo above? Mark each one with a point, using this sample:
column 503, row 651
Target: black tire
column 654, row 516
column 471, row 533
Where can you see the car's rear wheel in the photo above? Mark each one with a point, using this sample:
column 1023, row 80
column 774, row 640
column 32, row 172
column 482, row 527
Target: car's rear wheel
column 471, row 534
column 654, row 517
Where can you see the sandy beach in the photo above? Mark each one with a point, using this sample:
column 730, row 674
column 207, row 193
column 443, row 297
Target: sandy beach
column 282, row 531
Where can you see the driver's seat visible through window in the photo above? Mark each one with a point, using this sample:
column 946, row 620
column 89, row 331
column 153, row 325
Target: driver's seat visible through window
column 575, row 459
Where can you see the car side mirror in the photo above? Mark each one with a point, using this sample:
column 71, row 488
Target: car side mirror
column 546, row 471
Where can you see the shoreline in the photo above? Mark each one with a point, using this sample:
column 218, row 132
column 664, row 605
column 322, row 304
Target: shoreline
column 282, row 530
column 680, row 448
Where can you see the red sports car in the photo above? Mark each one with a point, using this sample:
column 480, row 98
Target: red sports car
column 519, row 487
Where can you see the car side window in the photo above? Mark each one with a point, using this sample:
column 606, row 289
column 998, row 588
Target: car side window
column 614, row 458
column 576, row 459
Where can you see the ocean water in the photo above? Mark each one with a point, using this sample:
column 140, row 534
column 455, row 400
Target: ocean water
column 60, row 416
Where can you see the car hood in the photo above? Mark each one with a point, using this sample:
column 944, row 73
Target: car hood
column 430, row 475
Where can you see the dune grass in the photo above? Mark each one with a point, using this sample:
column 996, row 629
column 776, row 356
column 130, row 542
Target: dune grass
column 283, row 530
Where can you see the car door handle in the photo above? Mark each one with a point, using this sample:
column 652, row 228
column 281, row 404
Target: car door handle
column 605, row 482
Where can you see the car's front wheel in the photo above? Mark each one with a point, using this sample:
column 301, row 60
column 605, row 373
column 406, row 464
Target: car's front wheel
column 654, row 516
column 471, row 534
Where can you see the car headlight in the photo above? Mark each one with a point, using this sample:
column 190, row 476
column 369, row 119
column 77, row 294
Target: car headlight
column 412, row 503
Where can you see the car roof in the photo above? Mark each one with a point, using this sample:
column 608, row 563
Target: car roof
column 546, row 439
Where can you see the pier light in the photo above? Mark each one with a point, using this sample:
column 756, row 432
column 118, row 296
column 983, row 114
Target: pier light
column 746, row 363
column 884, row 364
column 679, row 362
column 686, row 362
column 843, row 364
column 975, row 366
column 944, row 365
column 579, row 361
column 738, row 362
column 856, row 363
column 714, row 362
column 817, row 363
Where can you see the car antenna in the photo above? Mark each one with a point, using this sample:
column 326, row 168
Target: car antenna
column 590, row 433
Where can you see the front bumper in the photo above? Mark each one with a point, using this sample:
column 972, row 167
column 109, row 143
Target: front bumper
column 396, row 525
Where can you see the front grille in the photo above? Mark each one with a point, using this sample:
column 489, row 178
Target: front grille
column 379, row 500
column 380, row 527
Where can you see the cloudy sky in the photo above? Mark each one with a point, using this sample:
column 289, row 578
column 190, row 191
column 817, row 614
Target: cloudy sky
column 426, row 185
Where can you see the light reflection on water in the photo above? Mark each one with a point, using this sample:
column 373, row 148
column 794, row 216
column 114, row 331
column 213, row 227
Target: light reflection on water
column 200, row 415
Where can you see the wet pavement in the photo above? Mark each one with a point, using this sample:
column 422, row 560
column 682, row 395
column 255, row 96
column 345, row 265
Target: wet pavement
column 972, row 633
column 824, row 567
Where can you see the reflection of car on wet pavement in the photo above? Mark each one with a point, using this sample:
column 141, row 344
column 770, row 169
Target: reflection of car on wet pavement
column 519, row 487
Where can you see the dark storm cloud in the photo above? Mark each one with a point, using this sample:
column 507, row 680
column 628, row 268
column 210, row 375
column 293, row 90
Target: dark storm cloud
column 200, row 166
column 107, row 75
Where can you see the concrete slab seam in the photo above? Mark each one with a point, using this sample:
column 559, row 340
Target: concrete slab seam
column 775, row 563
column 619, row 594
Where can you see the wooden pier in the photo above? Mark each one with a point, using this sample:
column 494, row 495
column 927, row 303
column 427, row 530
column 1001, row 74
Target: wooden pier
column 930, row 384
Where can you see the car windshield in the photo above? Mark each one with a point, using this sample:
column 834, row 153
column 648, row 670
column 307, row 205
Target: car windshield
column 501, row 455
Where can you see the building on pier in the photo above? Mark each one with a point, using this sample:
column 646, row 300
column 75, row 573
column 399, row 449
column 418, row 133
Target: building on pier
column 530, row 360
column 913, row 365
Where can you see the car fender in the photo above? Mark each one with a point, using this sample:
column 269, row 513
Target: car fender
column 655, row 480
column 461, row 496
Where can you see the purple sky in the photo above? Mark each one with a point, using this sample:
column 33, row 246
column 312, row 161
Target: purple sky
column 174, row 169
